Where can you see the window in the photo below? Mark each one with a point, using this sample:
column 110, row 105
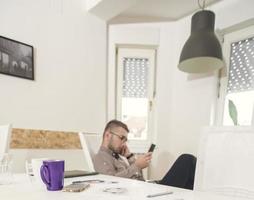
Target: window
column 237, row 87
column 135, row 91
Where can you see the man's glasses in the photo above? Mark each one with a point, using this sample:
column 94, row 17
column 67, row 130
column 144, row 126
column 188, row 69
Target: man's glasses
column 121, row 137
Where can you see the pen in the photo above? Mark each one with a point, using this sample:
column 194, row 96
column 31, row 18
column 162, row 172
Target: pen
column 88, row 181
column 159, row 194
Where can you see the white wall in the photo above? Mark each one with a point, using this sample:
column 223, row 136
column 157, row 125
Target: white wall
column 184, row 102
column 69, row 91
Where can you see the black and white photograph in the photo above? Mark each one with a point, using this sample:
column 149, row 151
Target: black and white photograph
column 16, row 58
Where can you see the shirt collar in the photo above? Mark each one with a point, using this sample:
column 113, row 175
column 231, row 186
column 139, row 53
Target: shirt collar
column 109, row 151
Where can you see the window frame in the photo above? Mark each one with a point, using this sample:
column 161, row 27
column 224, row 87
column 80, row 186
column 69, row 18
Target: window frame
column 228, row 39
column 148, row 52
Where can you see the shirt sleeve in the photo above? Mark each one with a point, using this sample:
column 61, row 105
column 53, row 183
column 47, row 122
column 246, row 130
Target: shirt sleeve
column 105, row 164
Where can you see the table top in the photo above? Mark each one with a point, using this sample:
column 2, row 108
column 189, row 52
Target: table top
column 22, row 188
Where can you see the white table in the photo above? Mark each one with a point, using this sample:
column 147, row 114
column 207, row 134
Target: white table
column 22, row 189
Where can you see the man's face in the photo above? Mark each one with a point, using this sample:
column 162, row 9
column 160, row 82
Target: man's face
column 118, row 139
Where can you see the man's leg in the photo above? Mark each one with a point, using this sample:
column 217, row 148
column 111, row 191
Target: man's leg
column 182, row 173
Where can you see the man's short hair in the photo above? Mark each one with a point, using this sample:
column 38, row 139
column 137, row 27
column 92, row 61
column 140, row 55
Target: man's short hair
column 114, row 124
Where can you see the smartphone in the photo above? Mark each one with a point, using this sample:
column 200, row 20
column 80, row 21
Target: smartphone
column 151, row 149
column 76, row 187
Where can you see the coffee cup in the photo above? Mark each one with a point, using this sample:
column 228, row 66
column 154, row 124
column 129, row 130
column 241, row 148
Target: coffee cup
column 52, row 174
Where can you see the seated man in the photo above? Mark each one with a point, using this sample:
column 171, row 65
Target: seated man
column 110, row 159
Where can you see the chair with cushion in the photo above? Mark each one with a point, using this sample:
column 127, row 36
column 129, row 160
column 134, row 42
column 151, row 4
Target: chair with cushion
column 225, row 161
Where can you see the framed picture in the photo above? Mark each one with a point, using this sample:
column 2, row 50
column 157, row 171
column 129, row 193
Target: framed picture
column 16, row 58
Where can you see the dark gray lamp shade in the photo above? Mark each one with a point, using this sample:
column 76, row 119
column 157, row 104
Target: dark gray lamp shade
column 202, row 51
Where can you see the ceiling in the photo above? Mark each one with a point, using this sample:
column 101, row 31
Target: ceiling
column 133, row 11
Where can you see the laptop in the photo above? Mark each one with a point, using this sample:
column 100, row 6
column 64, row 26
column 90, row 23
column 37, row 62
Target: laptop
column 77, row 173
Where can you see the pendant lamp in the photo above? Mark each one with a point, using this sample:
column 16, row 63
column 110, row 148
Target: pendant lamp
column 202, row 51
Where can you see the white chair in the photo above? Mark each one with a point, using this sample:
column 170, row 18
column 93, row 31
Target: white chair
column 5, row 135
column 90, row 143
column 225, row 161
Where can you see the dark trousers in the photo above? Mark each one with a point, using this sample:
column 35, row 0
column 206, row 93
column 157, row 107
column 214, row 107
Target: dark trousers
column 182, row 173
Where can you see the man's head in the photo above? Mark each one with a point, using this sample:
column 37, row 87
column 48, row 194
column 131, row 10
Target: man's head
column 115, row 135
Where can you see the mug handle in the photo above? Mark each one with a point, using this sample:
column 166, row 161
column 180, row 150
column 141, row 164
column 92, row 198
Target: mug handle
column 45, row 175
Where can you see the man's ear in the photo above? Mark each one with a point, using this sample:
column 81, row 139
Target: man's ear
column 107, row 134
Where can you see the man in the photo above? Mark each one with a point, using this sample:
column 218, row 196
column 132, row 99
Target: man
column 114, row 158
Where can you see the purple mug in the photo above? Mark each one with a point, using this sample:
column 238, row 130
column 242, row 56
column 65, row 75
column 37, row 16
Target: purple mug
column 52, row 174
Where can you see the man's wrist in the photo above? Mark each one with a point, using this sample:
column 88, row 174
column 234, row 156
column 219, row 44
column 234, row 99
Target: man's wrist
column 129, row 156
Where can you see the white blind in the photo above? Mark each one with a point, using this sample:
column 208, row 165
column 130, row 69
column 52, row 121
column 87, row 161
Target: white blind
column 135, row 77
column 241, row 69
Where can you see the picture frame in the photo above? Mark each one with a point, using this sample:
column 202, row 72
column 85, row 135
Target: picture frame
column 16, row 58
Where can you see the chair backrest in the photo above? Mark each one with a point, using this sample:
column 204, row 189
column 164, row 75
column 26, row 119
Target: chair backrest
column 90, row 143
column 225, row 161
column 5, row 135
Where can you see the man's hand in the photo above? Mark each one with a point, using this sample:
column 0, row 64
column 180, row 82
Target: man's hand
column 144, row 160
column 125, row 151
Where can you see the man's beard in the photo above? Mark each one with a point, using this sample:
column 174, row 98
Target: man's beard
column 112, row 148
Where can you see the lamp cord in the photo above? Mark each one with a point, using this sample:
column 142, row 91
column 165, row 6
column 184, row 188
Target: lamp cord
column 201, row 6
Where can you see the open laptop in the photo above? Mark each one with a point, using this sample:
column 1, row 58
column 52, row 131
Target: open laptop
column 77, row 173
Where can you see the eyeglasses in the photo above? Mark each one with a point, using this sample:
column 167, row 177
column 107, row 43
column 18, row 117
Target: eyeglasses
column 121, row 137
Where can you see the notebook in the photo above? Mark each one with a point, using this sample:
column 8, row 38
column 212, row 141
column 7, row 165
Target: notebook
column 77, row 173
